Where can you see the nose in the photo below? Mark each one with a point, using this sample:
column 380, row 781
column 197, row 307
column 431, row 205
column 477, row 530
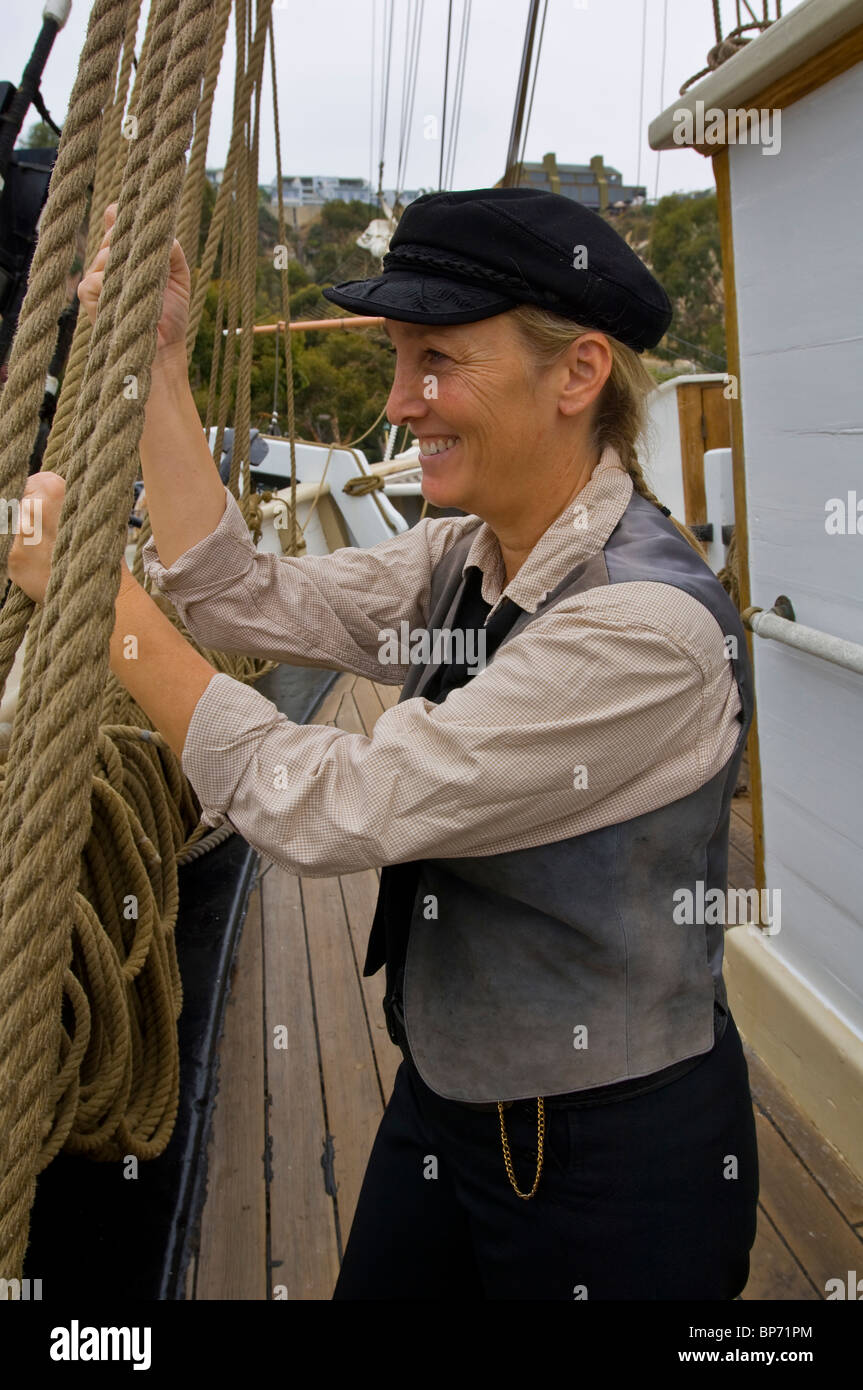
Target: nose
column 406, row 402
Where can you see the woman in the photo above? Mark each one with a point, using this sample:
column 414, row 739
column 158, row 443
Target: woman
column 572, row 1118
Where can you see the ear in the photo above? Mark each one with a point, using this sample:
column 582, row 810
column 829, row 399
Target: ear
column 586, row 366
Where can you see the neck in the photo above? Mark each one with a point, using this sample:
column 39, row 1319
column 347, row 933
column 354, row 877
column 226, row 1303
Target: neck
column 519, row 528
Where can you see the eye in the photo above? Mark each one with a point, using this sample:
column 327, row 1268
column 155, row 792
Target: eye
column 433, row 352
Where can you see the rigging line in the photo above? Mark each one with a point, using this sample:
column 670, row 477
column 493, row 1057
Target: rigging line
column 445, row 87
column 448, row 150
column 641, row 97
column 410, row 86
column 372, row 100
column 520, row 166
column 662, row 88
column 464, row 40
column 717, row 21
column 703, row 351
column 413, row 89
column 411, row 15
column 386, row 101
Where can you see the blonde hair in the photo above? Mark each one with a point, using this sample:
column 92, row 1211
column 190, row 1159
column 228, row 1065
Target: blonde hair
column 620, row 415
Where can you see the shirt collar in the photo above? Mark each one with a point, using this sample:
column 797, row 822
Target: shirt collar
column 580, row 531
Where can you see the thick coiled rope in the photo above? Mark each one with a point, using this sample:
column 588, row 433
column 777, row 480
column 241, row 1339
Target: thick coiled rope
column 99, row 1074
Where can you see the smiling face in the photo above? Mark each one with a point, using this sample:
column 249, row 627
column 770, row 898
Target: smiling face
column 464, row 391
column 499, row 437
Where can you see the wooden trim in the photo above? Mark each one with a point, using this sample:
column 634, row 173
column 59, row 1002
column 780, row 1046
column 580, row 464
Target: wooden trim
column 690, row 414
column 822, row 67
column 722, row 175
column 838, row 57
column 715, row 407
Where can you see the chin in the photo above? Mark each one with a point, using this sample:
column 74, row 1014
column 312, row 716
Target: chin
column 437, row 494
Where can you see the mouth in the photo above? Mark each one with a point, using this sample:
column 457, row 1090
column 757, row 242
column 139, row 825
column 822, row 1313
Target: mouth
column 434, row 447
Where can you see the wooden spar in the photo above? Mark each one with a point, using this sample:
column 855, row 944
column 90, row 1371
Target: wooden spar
column 298, row 325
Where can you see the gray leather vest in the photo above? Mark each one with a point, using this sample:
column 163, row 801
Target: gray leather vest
column 560, row 967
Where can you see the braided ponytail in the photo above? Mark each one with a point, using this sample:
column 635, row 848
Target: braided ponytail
column 620, row 419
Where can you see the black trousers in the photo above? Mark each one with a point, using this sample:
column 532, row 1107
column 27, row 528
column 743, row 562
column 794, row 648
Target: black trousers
column 651, row 1197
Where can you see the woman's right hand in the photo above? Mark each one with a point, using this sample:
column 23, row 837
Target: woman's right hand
column 175, row 305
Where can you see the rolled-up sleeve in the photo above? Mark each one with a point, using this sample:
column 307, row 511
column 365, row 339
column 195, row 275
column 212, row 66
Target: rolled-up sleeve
column 597, row 712
column 320, row 610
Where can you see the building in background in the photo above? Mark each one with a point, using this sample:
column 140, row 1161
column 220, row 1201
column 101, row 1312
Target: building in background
column 313, row 190
column 596, row 184
column 305, row 194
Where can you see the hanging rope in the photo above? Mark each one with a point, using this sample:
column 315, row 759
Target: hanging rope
column 73, row 172
column 734, row 41
column 191, row 203
column 455, row 126
column 42, row 861
column 92, row 820
column 294, row 545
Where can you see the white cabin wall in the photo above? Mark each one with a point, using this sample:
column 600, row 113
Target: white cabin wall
column 660, row 461
column 798, row 232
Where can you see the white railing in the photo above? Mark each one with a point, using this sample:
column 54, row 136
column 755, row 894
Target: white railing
column 778, row 623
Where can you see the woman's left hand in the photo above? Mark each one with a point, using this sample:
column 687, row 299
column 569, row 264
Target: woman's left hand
column 33, row 546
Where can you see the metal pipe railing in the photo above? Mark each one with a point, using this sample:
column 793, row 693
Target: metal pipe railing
column 779, row 624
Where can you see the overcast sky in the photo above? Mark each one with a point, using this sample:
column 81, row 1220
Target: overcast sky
column 588, row 91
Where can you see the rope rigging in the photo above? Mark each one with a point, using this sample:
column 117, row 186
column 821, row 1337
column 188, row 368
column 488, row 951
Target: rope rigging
column 409, row 90
column 449, row 166
column 385, row 66
column 532, row 90
column 445, row 89
column 95, row 812
column 735, row 39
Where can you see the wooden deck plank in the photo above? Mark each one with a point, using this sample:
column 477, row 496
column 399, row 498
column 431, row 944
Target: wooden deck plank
column 357, row 713
column 349, row 716
column 387, row 694
column 352, row 1094
column 775, row 1273
column 740, row 870
column 329, row 707
column 368, row 704
column 827, row 1167
column 360, row 892
column 820, row 1238
column 232, row 1259
column 740, row 836
column 190, row 1278
column 741, row 806
column 303, row 1243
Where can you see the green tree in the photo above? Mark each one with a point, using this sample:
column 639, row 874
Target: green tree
column 40, row 136
column 684, row 251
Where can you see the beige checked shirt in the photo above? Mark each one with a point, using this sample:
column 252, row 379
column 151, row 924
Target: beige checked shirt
column 616, row 702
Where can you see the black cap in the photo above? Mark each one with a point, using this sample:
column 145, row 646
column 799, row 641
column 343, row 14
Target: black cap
column 459, row 257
